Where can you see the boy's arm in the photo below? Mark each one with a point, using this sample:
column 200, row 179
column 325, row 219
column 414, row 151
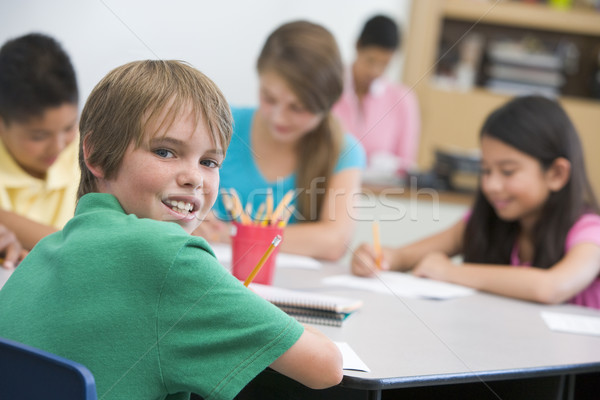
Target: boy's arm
column 28, row 232
column 314, row 360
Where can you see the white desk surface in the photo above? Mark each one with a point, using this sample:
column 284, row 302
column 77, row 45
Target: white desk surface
column 409, row 342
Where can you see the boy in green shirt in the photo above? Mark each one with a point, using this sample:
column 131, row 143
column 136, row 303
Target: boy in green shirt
column 124, row 288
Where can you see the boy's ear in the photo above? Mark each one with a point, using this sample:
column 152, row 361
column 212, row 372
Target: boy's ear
column 558, row 174
column 96, row 171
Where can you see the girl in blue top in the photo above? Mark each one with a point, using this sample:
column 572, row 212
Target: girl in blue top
column 293, row 142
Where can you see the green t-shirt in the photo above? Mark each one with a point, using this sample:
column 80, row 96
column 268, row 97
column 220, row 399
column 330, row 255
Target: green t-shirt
column 144, row 305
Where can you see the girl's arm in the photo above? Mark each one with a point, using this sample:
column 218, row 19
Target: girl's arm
column 448, row 242
column 573, row 273
column 328, row 237
column 314, row 360
column 28, row 232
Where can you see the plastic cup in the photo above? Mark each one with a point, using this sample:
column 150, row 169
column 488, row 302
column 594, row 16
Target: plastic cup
column 248, row 244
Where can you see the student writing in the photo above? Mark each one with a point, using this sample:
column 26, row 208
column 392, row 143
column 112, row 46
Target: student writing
column 124, row 288
column 38, row 131
column 382, row 115
column 292, row 141
column 534, row 230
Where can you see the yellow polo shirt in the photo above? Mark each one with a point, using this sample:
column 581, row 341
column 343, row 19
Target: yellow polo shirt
column 49, row 201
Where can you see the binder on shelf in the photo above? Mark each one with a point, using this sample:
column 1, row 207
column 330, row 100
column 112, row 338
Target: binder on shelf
column 308, row 307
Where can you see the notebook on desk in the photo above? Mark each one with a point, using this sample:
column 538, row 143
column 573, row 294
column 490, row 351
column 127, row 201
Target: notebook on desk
column 307, row 307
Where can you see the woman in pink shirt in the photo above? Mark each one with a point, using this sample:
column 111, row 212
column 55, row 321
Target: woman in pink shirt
column 534, row 209
column 382, row 115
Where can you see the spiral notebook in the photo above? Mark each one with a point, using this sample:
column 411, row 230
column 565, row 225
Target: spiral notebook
column 307, row 307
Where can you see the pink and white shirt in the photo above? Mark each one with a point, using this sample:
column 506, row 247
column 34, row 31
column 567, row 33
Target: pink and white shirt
column 387, row 120
column 585, row 230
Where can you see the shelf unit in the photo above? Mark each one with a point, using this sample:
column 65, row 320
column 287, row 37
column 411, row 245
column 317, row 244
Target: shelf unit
column 451, row 117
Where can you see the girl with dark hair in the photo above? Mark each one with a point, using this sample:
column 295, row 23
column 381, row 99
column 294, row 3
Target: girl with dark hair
column 534, row 208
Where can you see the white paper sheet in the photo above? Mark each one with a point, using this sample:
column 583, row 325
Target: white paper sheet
column 580, row 324
column 4, row 275
column 401, row 284
column 284, row 260
column 351, row 360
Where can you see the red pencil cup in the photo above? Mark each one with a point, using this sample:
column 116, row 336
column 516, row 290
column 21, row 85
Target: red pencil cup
column 248, row 244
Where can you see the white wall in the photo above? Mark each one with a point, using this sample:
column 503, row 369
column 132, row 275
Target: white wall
column 222, row 38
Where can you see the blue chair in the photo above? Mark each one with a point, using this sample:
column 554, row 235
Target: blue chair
column 29, row 373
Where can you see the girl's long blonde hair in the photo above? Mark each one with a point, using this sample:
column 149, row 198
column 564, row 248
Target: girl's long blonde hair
column 307, row 57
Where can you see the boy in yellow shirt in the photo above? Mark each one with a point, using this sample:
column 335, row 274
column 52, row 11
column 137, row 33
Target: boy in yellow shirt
column 38, row 147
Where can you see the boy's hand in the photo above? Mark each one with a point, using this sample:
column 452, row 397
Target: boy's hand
column 364, row 261
column 11, row 248
column 434, row 266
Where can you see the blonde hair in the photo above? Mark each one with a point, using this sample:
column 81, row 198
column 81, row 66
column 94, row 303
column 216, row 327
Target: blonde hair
column 307, row 57
column 131, row 98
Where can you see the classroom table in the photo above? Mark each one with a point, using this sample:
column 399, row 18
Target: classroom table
column 479, row 346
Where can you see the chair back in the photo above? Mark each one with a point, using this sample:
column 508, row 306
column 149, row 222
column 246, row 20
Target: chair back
column 30, row 373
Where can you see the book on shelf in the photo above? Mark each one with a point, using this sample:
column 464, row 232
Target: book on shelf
column 527, row 75
column 517, row 53
column 309, row 307
column 517, row 88
column 525, row 66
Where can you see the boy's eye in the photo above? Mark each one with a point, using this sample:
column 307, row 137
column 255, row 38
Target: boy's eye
column 209, row 163
column 38, row 137
column 164, row 153
column 508, row 172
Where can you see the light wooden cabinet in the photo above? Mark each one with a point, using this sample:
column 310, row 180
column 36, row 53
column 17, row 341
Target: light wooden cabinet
column 454, row 117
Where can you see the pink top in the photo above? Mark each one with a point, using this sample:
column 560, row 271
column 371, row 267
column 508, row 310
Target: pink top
column 388, row 120
column 585, row 230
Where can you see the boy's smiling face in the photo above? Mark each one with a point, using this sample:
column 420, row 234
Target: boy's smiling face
column 172, row 176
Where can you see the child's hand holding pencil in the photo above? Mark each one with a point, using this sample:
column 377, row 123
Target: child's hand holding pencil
column 369, row 259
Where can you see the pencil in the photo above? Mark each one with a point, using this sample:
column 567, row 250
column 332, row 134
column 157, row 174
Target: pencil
column 282, row 204
column 287, row 214
column 263, row 259
column 259, row 214
column 269, row 204
column 377, row 245
column 238, row 208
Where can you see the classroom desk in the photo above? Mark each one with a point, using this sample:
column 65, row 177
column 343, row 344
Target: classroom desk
column 484, row 346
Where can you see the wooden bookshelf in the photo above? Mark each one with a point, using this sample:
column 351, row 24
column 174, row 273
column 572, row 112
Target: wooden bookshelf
column 454, row 117
column 525, row 15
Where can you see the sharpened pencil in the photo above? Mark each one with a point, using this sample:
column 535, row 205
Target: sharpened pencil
column 377, row 245
column 263, row 259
